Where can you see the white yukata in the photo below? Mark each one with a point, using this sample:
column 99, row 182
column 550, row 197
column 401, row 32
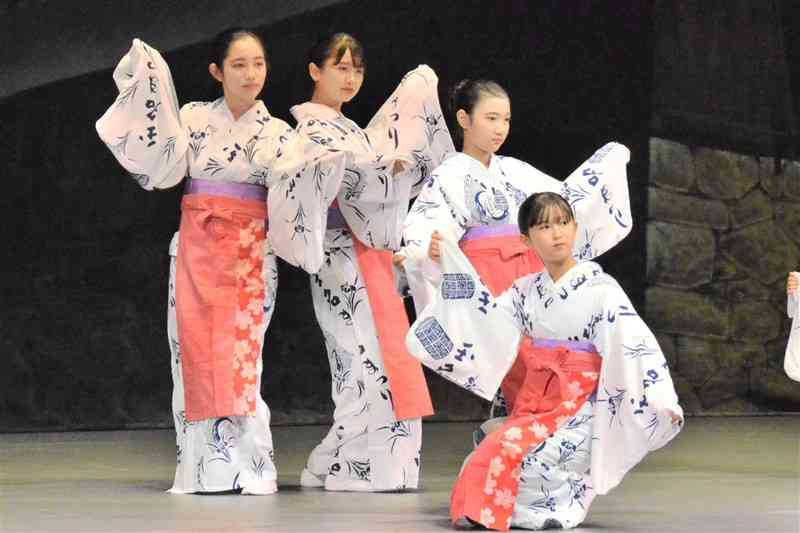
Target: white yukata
column 159, row 145
column 627, row 417
column 463, row 194
column 791, row 363
column 369, row 448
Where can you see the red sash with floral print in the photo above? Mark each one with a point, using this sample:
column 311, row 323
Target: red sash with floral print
column 219, row 293
column 558, row 381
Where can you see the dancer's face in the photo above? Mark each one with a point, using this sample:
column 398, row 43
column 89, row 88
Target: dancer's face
column 337, row 83
column 244, row 70
column 487, row 127
column 553, row 239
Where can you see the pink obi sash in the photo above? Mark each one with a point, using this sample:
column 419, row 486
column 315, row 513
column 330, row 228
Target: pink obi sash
column 559, row 377
column 219, row 293
column 410, row 396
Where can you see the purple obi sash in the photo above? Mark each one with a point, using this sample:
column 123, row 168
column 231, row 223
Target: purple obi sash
column 482, row 232
column 336, row 218
column 577, row 346
column 228, row 189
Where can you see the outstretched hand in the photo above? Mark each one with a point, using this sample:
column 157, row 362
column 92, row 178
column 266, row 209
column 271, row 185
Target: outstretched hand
column 675, row 417
column 792, row 283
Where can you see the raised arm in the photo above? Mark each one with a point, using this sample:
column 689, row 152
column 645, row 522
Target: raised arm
column 409, row 129
column 143, row 128
column 598, row 193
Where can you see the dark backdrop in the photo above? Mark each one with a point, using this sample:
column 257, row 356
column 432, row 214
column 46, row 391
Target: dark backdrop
column 84, row 270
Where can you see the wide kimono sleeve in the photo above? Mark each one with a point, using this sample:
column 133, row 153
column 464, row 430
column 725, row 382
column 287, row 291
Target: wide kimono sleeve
column 432, row 211
column 465, row 335
column 304, row 178
column 598, row 193
column 791, row 363
column 635, row 394
column 143, row 128
column 371, row 201
column 409, row 128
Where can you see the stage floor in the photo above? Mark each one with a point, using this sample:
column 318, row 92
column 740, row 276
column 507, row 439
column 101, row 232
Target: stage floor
column 719, row 475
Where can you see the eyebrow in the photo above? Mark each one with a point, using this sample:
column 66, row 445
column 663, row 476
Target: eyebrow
column 245, row 59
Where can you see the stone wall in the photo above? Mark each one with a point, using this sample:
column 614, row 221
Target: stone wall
column 723, row 231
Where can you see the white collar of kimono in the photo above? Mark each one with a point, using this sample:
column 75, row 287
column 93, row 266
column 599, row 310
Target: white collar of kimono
column 582, row 267
column 306, row 110
column 468, row 160
column 256, row 112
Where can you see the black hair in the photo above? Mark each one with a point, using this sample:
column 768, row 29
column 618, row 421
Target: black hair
column 336, row 46
column 536, row 208
column 221, row 44
column 467, row 93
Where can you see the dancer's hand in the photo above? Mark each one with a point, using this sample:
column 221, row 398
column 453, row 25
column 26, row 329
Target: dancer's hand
column 397, row 260
column 675, row 417
column 434, row 250
column 791, row 283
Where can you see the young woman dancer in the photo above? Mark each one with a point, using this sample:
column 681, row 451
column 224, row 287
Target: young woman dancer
column 596, row 395
column 379, row 391
column 223, row 275
column 791, row 363
column 473, row 198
